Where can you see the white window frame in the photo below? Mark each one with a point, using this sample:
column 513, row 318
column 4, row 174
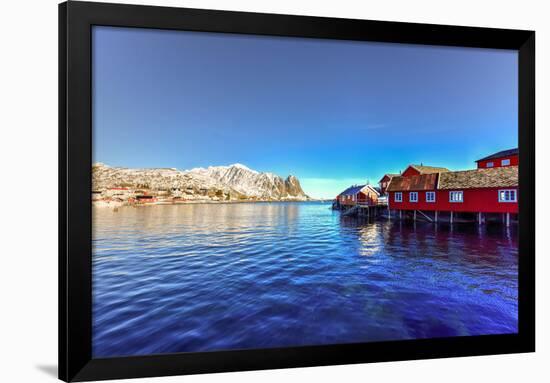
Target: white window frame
column 411, row 194
column 490, row 164
column 432, row 193
column 459, row 192
column 513, row 192
column 400, row 195
column 505, row 162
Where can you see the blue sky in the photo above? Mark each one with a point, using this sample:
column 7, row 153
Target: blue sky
column 333, row 113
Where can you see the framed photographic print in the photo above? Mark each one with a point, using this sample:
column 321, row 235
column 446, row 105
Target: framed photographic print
column 248, row 191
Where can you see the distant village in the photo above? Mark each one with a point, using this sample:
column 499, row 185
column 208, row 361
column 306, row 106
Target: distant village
column 488, row 193
column 116, row 186
column 115, row 197
column 119, row 196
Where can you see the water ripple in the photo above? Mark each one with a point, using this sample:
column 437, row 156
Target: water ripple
column 213, row 277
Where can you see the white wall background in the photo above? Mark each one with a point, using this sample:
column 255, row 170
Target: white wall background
column 28, row 180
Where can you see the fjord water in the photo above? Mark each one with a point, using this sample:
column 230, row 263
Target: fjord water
column 205, row 277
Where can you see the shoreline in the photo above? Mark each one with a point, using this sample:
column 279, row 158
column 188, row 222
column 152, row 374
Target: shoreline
column 117, row 204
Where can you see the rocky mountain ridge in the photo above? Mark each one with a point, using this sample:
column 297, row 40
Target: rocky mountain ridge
column 221, row 183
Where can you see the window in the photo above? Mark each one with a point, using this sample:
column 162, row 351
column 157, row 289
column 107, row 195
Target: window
column 430, row 196
column 507, row 195
column 490, row 164
column 456, row 196
column 413, row 196
column 505, row 162
column 398, row 197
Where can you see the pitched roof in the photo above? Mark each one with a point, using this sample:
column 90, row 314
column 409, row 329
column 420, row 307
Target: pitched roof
column 357, row 188
column 503, row 153
column 390, row 175
column 352, row 190
column 429, row 169
column 419, row 182
column 480, row 178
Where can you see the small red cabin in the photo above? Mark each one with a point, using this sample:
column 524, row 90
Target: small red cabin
column 359, row 194
column 503, row 158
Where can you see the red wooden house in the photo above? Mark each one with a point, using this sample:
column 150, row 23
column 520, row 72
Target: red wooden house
column 414, row 192
column 359, row 194
column 492, row 190
column 410, row 171
column 489, row 190
column 504, row 158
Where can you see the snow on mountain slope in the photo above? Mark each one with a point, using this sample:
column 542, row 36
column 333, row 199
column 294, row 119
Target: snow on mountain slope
column 224, row 182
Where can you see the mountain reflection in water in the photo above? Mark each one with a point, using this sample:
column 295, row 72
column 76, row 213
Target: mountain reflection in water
column 204, row 277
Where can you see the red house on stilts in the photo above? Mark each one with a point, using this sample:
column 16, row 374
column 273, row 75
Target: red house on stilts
column 434, row 194
column 365, row 195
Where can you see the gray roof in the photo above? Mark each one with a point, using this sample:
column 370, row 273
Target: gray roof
column 480, row 178
column 352, row 190
column 503, row 153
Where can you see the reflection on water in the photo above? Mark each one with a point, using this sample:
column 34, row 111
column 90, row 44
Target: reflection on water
column 208, row 277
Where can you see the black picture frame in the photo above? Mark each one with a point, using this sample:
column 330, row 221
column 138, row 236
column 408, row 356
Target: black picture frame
column 75, row 160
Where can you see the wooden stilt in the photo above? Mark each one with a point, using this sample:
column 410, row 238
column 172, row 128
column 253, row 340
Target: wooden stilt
column 400, row 214
column 479, row 218
column 424, row 215
column 414, row 215
column 435, row 216
column 507, row 219
column 451, row 217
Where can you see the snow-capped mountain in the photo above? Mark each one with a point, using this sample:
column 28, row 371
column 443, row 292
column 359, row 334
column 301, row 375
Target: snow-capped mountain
column 233, row 182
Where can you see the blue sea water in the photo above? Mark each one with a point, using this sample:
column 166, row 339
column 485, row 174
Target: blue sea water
column 205, row 277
